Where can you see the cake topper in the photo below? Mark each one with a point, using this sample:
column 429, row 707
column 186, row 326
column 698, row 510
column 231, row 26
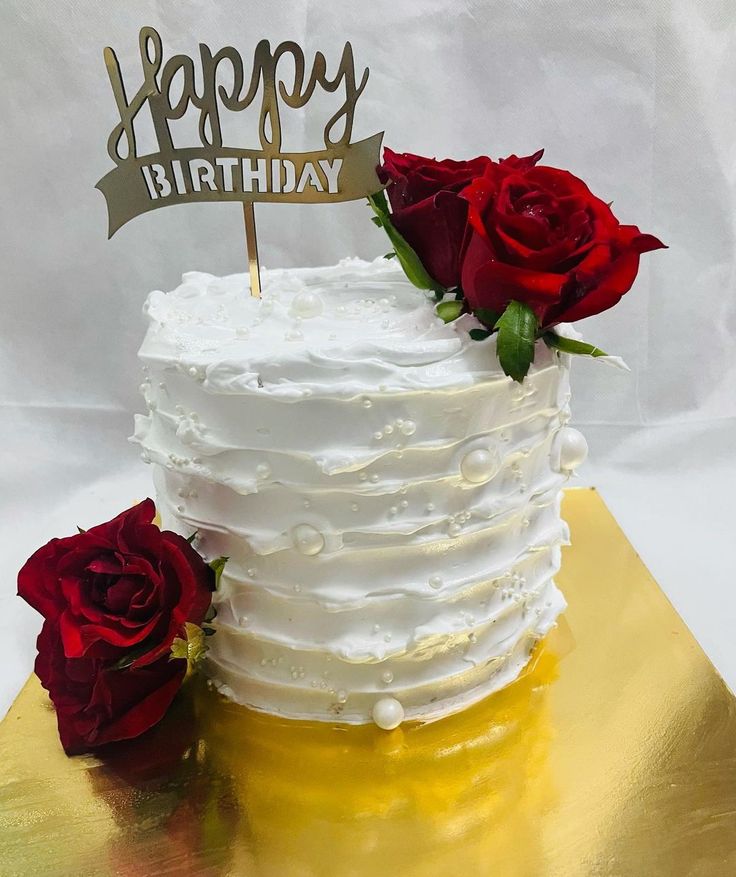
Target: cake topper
column 211, row 171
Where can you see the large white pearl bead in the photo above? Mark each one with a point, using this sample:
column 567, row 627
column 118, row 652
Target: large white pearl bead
column 572, row 448
column 479, row 465
column 388, row 713
column 308, row 539
column 306, row 304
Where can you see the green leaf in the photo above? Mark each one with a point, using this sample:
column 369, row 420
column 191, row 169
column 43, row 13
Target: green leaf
column 391, row 255
column 211, row 613
column 191, row 538
column 379, row 203
column 517, row 331
column 410, row 262
column 479, row 334
column 449, row 310
column 80, row 530
column 487, row 316
column 192, row 646
column 125, row 662
column 179, row 649
column 218, row 564
column 570, row 345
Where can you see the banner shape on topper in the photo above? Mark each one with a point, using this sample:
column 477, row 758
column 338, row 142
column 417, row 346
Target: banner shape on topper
column 341, row 171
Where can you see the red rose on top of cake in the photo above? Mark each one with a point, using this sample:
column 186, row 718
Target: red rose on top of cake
column 521, row 245
column 538, row 235
column 114, row 598
column 427, row 209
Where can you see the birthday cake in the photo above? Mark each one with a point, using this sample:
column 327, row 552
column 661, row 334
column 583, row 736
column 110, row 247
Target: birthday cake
column 388, row 499
column 358, row 468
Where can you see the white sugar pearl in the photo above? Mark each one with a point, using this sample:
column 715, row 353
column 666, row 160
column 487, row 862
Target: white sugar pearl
column 306, row 304
column 479, row 465
column 308, row 539
column 408, row 427
column 263, row 470
column 435, row 582
column 388, row 713
column 572, row 448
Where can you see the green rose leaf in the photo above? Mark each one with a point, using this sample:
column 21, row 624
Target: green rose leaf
column 449, row 310
column 517, row 331
column 133, row 655
column 410, row 262
column 487, row 316
column 191, row 647
column 570, row 345
column 479, row 334
column 217, row 565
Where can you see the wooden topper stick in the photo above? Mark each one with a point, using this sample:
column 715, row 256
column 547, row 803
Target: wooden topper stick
column 249, row 215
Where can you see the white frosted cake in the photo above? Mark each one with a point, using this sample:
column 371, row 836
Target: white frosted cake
column 388, row 499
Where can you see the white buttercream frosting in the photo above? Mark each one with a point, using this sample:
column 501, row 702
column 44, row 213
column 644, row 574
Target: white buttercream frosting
column 387, row 497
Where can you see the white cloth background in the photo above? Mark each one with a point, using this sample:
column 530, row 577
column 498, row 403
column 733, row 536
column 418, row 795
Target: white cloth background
column 637, row 97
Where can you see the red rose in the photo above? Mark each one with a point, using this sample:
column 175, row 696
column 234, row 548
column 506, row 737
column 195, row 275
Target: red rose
column 96, row 703
column 119, row 588
column 427, row 210
column 119, row 592
column 539, row 236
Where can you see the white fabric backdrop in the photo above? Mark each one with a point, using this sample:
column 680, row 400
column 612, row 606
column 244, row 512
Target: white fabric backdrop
column 637, row 97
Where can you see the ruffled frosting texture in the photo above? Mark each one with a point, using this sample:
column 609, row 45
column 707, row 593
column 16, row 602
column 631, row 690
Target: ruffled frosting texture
column 387, row 497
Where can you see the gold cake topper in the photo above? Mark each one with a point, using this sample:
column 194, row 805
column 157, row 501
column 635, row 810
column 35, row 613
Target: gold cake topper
column 341, row 171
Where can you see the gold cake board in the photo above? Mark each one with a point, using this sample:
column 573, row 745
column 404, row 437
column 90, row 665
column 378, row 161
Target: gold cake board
column 615, row 754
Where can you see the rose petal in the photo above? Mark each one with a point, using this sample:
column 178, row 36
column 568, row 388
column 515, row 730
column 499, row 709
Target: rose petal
column 138, row 699
column 609, row 290
column 494, row 284
column 109, row 565
column 435, row 231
